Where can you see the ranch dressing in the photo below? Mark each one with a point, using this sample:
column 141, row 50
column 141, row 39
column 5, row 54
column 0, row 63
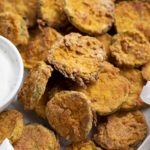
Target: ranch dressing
column 7, row 74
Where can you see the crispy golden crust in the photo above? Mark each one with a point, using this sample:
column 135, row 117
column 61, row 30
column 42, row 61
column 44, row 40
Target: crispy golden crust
column 77, row 57
column 34, row 85
column 27, row 10
column 13, row 27
column 66, row 118
column 106, row 41
column 84, row 145
column 122, row 131
column 11, row 125
column 92, row 17
column 130, row 49
column 37, row 137
column 107, row 67
column 52, row 12
column 108, row 93
column 37, row 48
column 133, row 101
column 146, row 71
column 134, row 17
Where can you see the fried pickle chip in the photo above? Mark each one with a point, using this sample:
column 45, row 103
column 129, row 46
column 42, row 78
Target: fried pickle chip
column 130, row 49
column 52, row 12
column 34, row 85
column 146, row 71
column 106, row 41
column 90, row 16
column 13, row 27
column 37, row 137
column 69, row 113
column 133, row 15
column 27, row 10
column 133, row 101
column 37, row 48
column 122, row 131
column 77, row 57
column 84, row 145
column 11, row 125
column 108, row 93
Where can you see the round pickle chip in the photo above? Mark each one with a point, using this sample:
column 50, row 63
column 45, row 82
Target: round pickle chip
column 52, row 13
column 13, row 27
column 69, row 113
column 90, row 16
column 37, row 137
column 130, row 49
column 77, row 57
column 34, row 85
column 122, row 131
column 11, row 125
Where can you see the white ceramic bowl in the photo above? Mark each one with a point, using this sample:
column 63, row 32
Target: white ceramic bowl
column 9, row 49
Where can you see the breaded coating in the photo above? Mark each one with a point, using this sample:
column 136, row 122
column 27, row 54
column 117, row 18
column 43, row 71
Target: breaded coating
column 34, row 85
column 69, row 113
column 37, row 137
column 90, row 16
column 27, row 10
column 105, row 39
column 52, row 13
column 84, row 145
column 77, row 57
column 13, row 27
column 37, row 48
column 107, row 67
column 11, row 125
column 146, row 71
column 133, row 15
column 133, row 101
column 108, row 93
column 130, row 49
column 122, row 131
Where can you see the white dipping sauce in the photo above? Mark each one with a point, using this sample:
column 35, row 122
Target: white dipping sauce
column 7, row 74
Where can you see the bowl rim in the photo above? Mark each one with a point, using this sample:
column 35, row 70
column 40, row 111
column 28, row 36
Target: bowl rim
column 4, row 103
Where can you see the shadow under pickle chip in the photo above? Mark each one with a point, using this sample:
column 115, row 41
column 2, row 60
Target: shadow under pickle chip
column 11, row 125
column 52, row 13
column 137, row 82
column 77, row 57
column 40, row 42
column 37, row 137
column 122, row 131
column 13, row 27
column 90, row 16
column 34, row 85
column 130, row 49
column 51, row 90
column 133, row 15
column 84, row 145
column 109, row 92
column 69, row 113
